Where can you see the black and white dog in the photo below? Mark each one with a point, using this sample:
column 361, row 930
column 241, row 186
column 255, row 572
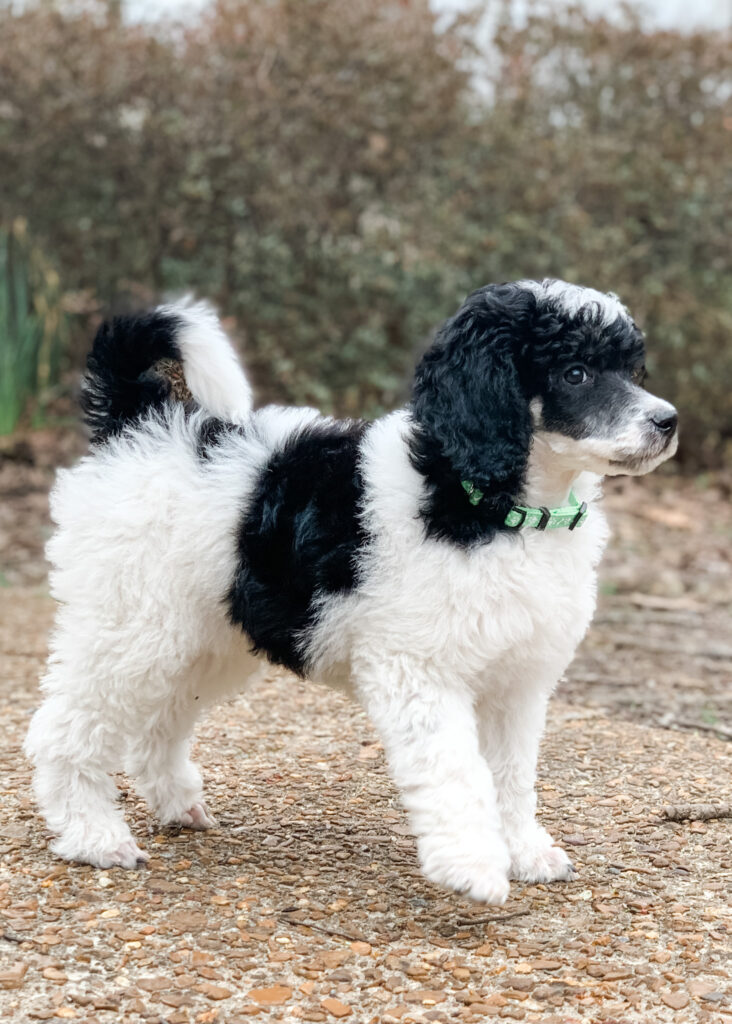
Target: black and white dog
column 439, row 563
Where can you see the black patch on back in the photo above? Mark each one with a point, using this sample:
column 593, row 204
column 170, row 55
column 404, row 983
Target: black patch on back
column 299, row 539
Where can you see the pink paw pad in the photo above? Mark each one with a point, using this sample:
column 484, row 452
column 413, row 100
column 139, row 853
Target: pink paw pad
column 547, row 864
column 127, row 855
column 197, row 817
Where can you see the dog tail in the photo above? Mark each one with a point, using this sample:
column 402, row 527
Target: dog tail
column 121, row 383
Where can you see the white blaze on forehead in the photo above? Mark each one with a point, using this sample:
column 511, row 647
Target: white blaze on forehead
column 573, row 297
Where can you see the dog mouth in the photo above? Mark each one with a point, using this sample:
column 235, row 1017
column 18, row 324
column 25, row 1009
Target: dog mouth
column 640, row 462
column 633, row 463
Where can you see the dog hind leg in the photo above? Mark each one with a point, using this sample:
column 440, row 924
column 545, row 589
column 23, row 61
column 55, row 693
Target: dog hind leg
column 158, row 759
column 74, row 745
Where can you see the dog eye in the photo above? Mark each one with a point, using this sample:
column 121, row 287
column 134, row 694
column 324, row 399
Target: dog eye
column 576, row 375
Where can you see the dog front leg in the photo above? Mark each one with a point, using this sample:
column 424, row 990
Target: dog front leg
column 429, row 731
column 510, row 734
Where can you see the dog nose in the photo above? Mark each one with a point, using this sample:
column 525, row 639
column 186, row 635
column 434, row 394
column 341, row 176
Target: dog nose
column 665, row 421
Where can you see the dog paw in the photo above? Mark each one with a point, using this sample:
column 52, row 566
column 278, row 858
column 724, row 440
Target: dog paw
column 481, row 883
column 541, row 862
column 124, row 854
column 482, row 877
column 197, row 817
column 487, row 886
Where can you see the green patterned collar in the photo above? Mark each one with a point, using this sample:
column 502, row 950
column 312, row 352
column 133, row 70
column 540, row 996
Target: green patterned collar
column 570, row 516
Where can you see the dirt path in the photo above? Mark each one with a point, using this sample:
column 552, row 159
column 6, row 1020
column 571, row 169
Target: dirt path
column 306, row 902
column 660, row 648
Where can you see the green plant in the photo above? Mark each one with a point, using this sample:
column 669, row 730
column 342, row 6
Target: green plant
column 32, row 326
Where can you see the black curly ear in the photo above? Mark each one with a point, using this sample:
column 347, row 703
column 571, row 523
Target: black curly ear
column 472, row 417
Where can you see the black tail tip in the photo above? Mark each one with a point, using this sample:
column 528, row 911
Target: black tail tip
column 120, row 385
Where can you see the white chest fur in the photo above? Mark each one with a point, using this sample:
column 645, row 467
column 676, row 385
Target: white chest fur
column 516, row 606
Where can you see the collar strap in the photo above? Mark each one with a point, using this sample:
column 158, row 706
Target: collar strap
column 570, row 516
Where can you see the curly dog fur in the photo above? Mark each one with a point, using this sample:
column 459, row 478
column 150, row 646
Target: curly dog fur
column 197, row 540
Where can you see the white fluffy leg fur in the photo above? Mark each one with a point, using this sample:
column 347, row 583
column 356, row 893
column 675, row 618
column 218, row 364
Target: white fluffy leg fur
column 73, row 748
column 158, row 759
column 429, row 732
column 141, row 562
column 535, row 858
column 510, row 733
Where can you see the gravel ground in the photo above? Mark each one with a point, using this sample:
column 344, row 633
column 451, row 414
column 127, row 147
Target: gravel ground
column 306, row 902
column 660, row 648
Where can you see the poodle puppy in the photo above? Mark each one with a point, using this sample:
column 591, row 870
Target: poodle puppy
column 438, row 563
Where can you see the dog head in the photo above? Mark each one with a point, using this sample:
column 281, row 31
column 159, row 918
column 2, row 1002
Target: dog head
column 546, row 358
column 583, row 371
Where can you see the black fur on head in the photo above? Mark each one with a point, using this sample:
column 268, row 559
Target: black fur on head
column 472, row 414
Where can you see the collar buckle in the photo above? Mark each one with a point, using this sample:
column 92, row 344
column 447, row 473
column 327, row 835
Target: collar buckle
column 579, row 518
column 521, row 512
column 545, row 518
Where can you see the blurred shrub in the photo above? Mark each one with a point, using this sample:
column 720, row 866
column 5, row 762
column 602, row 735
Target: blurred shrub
column 32, row 326
column 609, row 164
column 338, row 175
